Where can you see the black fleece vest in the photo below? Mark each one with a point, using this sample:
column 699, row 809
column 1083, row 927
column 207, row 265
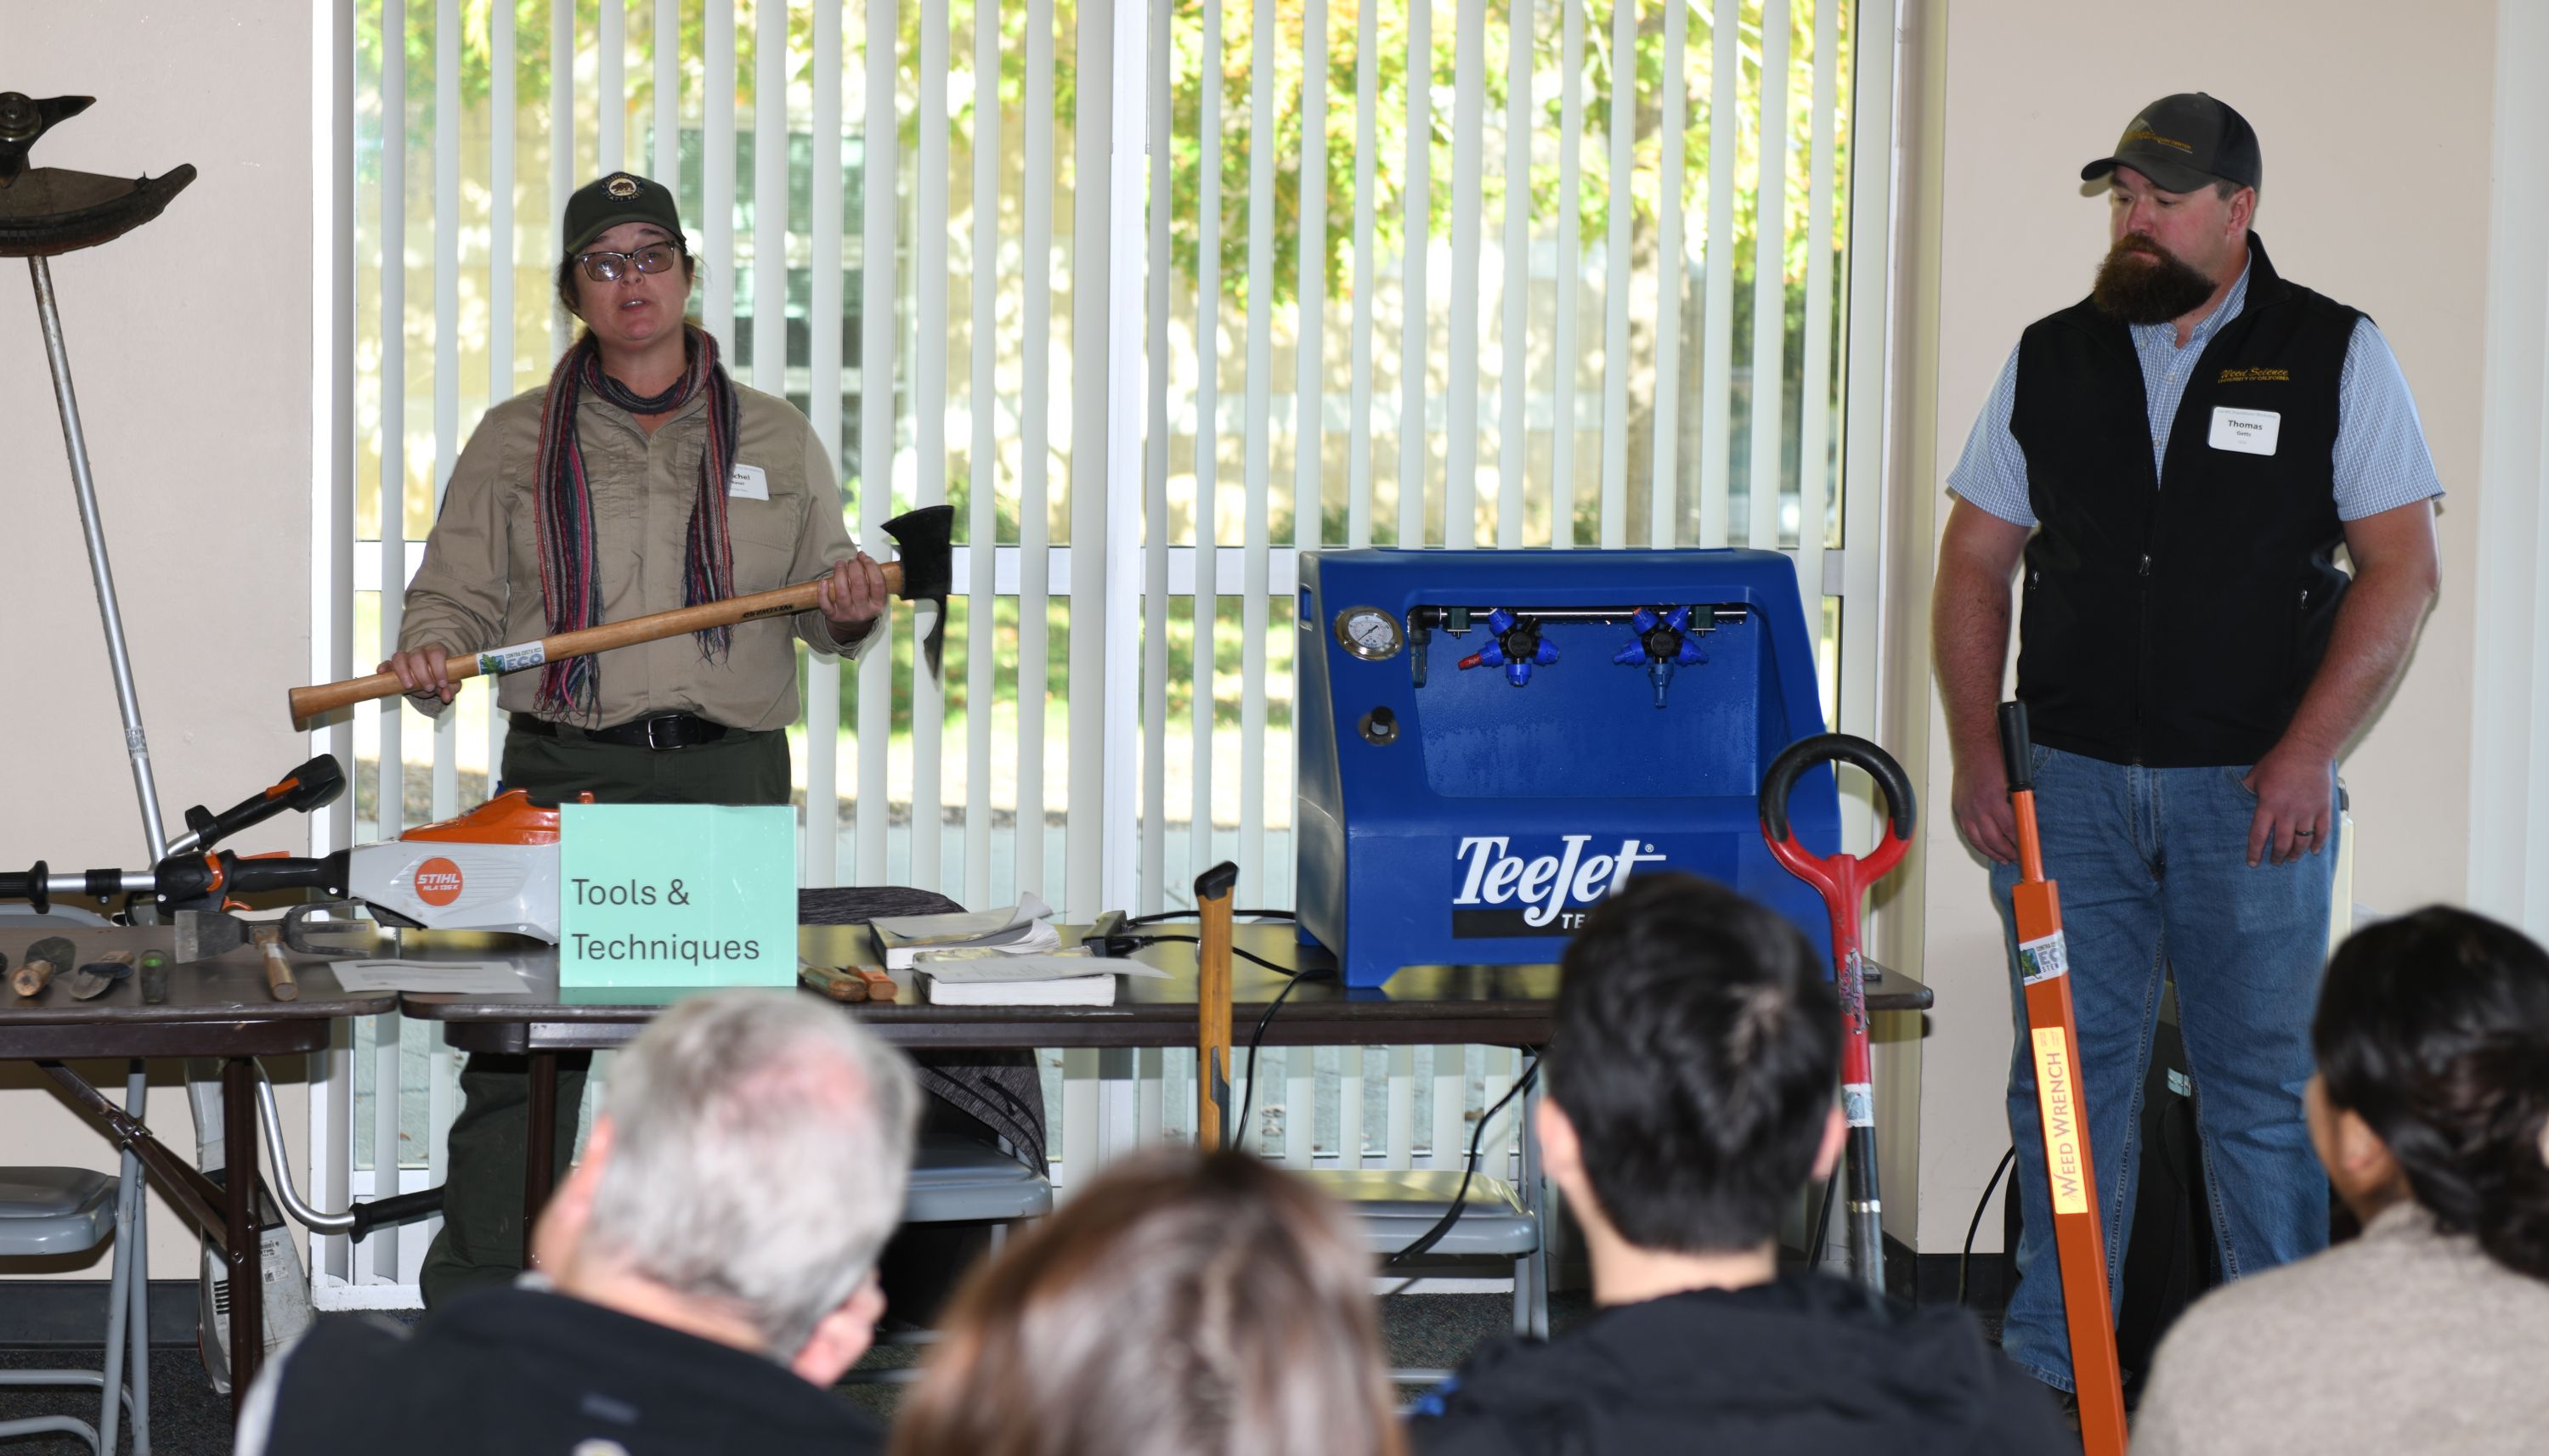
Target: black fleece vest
column 2177, row 627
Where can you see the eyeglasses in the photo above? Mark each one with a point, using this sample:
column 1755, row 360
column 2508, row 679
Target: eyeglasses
column 612, row 267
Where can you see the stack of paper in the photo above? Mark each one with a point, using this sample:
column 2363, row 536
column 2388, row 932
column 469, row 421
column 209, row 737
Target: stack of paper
column 1022, row 931
column 1065, row 979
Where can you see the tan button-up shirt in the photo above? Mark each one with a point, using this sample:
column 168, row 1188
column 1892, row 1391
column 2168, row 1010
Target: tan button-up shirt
column 480, row 584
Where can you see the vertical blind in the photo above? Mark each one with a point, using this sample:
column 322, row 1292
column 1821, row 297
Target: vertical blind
column 1156, row 296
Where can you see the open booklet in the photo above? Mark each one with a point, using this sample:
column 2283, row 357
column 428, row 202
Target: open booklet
column 1024, row 930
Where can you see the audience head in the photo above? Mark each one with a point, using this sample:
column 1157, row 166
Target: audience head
column 1692, row 1068
column 1180, row 1305
column 2432, row 1040
column 747, row 1164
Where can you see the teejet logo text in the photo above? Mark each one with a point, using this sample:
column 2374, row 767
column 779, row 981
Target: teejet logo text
column 1547, row 895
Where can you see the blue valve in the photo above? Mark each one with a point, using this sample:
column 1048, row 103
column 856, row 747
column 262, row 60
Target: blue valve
column 1517, row 647
column 1663, row 643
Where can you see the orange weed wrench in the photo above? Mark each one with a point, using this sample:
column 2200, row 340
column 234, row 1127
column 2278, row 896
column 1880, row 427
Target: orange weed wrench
column 1842, row 880
column 2062, row 1113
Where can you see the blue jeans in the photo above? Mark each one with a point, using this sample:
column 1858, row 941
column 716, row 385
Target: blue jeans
column 2154, row 876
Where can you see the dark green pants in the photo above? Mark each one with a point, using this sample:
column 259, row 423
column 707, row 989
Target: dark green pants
column 481, row 1241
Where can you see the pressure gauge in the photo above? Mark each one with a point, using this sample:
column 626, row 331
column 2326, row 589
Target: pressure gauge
column 1368, row 633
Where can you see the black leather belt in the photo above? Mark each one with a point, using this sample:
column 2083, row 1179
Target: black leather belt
column 662, row 732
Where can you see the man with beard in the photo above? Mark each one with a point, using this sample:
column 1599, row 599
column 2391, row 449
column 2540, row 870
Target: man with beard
column 2177, row 458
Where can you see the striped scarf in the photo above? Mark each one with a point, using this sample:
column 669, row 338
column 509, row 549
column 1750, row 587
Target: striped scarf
column 570, row 586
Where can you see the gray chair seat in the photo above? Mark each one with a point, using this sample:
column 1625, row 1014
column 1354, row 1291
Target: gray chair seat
column 1396, row 1206
column 55, row 1211
column 957, row 1180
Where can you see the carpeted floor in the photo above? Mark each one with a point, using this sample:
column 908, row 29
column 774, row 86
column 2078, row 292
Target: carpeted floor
column 1425, row 1331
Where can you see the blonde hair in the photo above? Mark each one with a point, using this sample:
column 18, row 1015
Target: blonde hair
column 1181, row 1304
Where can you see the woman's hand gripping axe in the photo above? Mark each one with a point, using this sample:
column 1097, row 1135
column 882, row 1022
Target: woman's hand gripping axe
column 1842, row 880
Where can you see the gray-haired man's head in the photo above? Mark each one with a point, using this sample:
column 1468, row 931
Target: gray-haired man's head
column 750, row 1156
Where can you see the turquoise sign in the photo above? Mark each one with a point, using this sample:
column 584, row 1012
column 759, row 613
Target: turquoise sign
column 677, row 895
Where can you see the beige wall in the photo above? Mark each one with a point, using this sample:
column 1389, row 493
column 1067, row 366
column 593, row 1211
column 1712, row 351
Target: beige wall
column 2375, row 125
column 189, row 342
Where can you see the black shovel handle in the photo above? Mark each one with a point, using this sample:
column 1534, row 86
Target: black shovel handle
column 1834, row 748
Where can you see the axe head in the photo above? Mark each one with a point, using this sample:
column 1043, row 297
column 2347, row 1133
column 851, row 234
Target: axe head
column 925, row 542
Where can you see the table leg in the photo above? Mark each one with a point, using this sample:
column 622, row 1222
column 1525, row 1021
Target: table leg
column 539, row 1147
column 247, row 1279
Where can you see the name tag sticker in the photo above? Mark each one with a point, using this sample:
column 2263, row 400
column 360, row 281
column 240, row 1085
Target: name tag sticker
column 2246, row 431
column 749, row 482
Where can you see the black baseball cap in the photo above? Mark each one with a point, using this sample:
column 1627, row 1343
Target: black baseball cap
column 621, row 197
column 2184, row 142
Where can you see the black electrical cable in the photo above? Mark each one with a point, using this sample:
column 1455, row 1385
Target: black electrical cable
column 1236, row 1134
column 1965, row 1259
column 1191, row 914
column 1469, row 1169
column 1125, row 945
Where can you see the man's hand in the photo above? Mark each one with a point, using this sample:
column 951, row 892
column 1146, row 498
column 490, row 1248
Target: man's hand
column 1969, row 638
column 1981, row 804
column 852, row 598
column 2296, row 803
column 422, row 673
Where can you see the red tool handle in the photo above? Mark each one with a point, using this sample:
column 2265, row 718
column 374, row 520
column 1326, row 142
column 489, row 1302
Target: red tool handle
column 1842, row 880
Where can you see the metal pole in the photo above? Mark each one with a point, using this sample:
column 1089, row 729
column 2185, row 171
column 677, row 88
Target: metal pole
column 126, row 702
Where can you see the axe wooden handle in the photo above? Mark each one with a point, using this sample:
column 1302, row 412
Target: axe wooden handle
column 28, row 979
column 780, row 601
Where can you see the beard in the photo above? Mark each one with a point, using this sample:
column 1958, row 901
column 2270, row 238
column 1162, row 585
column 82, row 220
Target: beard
column 2141, row 282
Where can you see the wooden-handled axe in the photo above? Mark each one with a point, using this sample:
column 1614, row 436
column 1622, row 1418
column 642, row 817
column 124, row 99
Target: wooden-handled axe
column 924, row 571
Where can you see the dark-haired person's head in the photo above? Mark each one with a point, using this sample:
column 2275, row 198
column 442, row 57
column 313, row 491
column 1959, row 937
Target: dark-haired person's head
column 2432, row 1041
column 1691, row 1072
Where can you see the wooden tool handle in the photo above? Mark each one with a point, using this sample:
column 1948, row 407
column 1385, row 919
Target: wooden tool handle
column 1212, row 1008
column 879, row 985
column 278, row 972
column 837, row 984
column 28, row 979
column 780, row 601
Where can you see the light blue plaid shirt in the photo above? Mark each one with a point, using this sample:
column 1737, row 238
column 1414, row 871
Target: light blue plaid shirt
column 2381, row 460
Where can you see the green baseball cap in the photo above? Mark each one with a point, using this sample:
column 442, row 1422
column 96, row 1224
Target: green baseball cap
column 2185, row 143
column 620, row 197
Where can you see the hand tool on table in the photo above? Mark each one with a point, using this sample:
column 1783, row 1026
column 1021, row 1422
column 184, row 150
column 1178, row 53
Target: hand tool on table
column 924, row 572
column 1212, row 1005
column 850, row 983
column 1844, row 881
column 202, row 935
column 278, row 971
column 834, row 981
column 44, row 961
column 2062, row 1113
column 94, row 978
